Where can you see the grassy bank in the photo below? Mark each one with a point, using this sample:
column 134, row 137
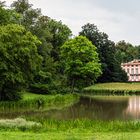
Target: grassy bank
column 73, row 130
column 114, row 89
column 34, row 102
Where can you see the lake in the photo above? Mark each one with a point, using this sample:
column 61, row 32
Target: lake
column 93, row 108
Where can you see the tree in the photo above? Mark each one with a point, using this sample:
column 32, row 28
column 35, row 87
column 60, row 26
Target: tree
column 19, row 59
column 2, row 3
column 60, row 34
column 106, row 49
column 138, row 50
column 29, row 15
column 8, row 16
column 50, row 32
column 81, row 62
column 126, row 52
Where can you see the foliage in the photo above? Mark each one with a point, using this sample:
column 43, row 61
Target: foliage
column 61, row 34
column 126, row 52
column 19, row 59
column 29, row 15
column 51, row 33
column 106, row 48
column 81, row 62
column 2, row 3
column 40, row 88
column 8, row 16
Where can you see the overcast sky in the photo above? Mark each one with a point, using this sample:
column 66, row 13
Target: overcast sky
column 120, row 19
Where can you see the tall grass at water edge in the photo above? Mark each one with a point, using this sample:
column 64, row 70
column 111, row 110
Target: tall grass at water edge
column 36, row 101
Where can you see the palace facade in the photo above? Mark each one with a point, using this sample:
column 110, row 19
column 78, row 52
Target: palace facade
column 133, row 70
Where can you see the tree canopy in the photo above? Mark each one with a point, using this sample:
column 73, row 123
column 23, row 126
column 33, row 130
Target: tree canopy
column 126, row 52
column 19, row 59
column 106, row 49
column 81, row 62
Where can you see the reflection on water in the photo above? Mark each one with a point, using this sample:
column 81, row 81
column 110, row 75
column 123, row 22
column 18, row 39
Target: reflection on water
column 92, row 109
column 133, row 108
column 95, row 108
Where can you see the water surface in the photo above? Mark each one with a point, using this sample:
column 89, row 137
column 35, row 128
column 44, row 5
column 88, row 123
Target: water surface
column 93, row 108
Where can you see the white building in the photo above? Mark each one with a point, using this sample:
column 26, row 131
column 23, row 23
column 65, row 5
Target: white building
column 132, row 69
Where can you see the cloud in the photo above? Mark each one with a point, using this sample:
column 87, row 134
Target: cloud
column 119, row 19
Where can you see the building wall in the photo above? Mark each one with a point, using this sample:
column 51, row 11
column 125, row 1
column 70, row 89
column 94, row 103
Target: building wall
column 132, row 69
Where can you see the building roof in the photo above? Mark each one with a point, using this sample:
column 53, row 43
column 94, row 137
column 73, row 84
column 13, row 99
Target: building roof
column 134, row 62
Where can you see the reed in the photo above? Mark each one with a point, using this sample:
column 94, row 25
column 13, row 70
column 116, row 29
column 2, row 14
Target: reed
column 34, row 102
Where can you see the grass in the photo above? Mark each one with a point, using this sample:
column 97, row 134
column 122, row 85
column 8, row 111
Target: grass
column 121, row 86
column 42, row 125
column 72, row 130
column 114, row 89
column 18, row 124
column 108, row 98
column 69, row 126
column 34, row 102
column 32, row 128
column 86, row 125
column 69, row 136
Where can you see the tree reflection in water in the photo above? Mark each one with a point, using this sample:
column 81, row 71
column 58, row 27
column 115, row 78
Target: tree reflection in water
column 93, row 108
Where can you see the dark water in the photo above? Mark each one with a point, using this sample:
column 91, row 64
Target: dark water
column 105, row 108
column 95, row 108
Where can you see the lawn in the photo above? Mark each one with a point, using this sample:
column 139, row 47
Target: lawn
column 69, row 136
column 114, row 88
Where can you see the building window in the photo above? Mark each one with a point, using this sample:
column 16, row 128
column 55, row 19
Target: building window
column 127, row 70
column 136, row 70
column 136, row 77
column 132, row 71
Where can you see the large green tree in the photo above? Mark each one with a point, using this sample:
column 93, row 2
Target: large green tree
column 19, row 59
column 106, row 49
column 81, row 62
